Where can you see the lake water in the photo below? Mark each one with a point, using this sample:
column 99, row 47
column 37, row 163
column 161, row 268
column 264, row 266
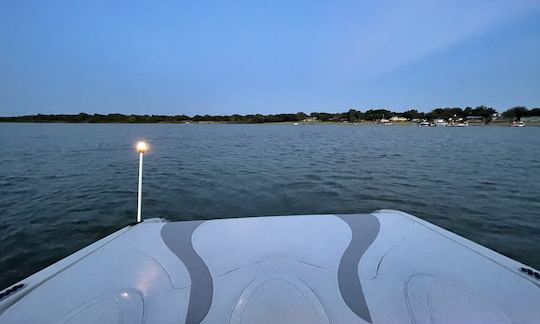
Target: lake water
column 63, row 186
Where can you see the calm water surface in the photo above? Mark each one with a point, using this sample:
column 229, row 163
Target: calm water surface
column 63, row 186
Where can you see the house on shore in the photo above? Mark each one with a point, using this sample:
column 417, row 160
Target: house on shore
column 309, row 119
column 475, row 119
column 397, row 119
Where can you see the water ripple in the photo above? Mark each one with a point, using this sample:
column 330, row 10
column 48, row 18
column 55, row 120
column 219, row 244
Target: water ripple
column 66, row 185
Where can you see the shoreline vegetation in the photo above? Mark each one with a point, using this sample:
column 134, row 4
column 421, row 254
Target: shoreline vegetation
column 480, row 115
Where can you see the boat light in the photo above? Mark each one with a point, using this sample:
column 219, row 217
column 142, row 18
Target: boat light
column 141, row 147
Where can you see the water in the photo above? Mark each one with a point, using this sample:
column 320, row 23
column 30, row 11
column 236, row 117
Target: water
column 63, row 186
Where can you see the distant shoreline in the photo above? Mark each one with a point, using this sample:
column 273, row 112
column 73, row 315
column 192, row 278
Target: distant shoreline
column 363, row 123
column 481, row 115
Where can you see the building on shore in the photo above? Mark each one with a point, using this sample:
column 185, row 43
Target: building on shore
column 475, row 119
column 309, row 119
column 397, row 119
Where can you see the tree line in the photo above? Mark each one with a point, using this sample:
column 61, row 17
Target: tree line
column 352, row 115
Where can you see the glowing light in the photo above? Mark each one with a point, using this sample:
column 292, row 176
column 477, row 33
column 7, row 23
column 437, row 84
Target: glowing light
column 125, row 294
column 142, row 147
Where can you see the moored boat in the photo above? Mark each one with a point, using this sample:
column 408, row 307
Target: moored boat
column 460, row 124
column 440, row 122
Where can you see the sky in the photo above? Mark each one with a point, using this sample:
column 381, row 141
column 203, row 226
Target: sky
column 227, row 57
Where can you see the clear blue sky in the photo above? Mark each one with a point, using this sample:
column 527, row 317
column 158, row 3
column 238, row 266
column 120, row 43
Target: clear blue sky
column 224, row 57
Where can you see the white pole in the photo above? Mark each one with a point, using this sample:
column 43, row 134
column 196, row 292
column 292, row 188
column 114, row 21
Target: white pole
column 139, row 200
column 141, row 148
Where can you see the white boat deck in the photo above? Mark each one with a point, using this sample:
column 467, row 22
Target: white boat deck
column 384, row 267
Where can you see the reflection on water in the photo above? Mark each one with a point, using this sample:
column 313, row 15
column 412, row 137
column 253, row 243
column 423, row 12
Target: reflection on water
column 63, row 186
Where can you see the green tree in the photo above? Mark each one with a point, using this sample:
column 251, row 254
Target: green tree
column 516, row 112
